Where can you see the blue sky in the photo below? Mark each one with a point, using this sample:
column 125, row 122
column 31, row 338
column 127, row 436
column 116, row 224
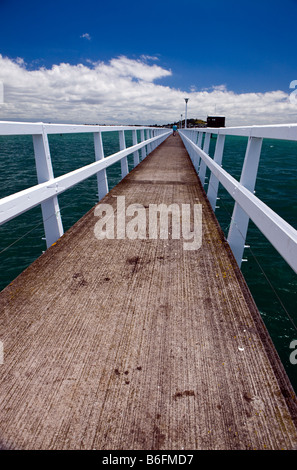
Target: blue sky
column 245, row 47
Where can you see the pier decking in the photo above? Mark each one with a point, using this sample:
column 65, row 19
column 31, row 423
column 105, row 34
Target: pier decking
column 140, row 344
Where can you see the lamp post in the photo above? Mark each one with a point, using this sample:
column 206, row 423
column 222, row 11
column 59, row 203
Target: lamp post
column 186, row 100
column 181, row 121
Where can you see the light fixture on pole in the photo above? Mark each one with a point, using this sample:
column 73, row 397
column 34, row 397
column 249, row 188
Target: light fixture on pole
column 181, row 121
column 186, row 100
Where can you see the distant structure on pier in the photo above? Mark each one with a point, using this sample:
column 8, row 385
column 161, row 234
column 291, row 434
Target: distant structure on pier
column 215, row 121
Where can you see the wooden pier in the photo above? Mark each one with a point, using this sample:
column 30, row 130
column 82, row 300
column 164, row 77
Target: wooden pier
column 140, row 344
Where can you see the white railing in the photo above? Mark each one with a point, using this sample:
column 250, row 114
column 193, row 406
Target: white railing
column 247, row 206
column 47, row 190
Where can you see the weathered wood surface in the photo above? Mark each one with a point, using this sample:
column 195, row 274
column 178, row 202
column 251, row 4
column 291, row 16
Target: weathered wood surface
column 140, row 344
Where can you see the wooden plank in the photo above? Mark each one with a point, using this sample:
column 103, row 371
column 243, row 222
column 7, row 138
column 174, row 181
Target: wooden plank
column 140, row 344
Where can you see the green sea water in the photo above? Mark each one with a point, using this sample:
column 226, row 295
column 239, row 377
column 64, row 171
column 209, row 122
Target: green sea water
column 272, row 282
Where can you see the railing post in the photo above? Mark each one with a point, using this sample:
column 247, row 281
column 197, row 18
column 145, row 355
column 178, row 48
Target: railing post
column 240, row 220
column 143, row 151
column 154, row 144
column 202, row 170
column 213, row 186
column 199, row 144
column 124, row 161
column 200, row 137
column 148, row 132
column 102, row 182
column 191, row 152
column 135, row 154
column 52, row 221
column 195, row 155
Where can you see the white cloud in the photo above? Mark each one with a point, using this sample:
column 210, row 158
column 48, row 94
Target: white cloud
column 148, row 57
column 86, row 36
column 125, row 91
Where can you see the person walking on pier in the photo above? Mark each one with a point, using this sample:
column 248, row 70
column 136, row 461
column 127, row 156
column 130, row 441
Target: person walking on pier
column 174, row 129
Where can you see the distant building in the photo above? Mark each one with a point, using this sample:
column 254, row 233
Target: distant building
column 215, row 121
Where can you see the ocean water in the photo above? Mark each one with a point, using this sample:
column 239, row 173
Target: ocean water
column 272, row 282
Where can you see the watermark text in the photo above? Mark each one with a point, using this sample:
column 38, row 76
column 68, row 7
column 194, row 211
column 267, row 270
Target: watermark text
column 154, row 221
column 293, row 94
column 293, row 355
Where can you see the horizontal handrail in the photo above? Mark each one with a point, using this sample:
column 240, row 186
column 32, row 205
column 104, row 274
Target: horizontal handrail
column 31, row 128
column 22, row 201
column 275, row 131
column 46, row 192
column 279, row 233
